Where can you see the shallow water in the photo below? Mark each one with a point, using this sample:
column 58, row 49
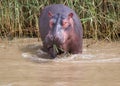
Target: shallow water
column 23, row 63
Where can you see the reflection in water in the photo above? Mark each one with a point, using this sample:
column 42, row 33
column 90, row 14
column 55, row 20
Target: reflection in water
column 23, row 63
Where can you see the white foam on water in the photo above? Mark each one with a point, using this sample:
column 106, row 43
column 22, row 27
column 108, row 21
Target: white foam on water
column 64, row 58
column 87, row 56
column 40, row 51
column 112, row 60
column 33, row 57
column 75, row 57
column 26, row 55
column 84, row 58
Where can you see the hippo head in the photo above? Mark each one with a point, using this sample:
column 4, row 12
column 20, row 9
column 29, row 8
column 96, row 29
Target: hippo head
column 59, row 26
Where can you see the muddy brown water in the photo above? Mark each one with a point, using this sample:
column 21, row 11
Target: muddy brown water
column 22, row 63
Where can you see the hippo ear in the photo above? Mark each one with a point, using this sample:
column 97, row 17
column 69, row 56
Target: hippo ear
column 50, row 14
column 70, row 15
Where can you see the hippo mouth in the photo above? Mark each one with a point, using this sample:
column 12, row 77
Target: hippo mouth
column 58, row 49
column 58, row 42
column 54, row 50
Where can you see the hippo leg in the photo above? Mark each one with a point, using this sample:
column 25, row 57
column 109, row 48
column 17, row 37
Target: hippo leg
column 76, row 49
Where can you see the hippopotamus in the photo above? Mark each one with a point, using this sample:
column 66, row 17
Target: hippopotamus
column 60, row 30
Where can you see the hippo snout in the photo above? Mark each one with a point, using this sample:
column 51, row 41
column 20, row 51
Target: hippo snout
column 53, row 39
column 56, row 39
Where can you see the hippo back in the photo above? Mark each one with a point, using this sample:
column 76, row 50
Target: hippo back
column 57, row 8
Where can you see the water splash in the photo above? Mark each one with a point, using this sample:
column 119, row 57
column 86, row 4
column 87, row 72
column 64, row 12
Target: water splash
column 77, row 58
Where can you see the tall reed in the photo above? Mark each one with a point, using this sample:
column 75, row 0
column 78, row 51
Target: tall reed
column 100, row 18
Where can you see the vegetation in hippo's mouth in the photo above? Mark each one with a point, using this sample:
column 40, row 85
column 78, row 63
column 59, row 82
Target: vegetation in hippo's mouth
column 55, row 48
column 100, row 18
column 58, row 49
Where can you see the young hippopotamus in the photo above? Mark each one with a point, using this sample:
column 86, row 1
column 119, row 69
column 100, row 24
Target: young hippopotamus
column 60, row 30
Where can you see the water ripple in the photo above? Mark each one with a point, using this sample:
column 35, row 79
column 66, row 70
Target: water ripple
column 84, row 58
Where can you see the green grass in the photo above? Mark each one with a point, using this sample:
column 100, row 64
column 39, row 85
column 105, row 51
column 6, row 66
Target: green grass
column 100, row 18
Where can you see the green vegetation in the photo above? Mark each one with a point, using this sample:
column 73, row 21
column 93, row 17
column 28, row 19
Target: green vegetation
column 100, row 18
